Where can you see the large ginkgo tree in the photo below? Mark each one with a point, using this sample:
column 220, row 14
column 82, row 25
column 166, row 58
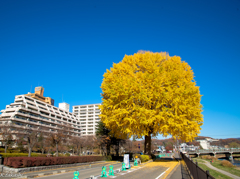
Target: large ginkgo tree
column 147, row 94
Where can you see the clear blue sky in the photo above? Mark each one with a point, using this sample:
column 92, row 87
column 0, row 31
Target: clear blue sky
column 66, row 46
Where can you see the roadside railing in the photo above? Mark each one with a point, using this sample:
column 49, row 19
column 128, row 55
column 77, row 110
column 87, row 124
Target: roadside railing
column 195, row 170
column 215, row 150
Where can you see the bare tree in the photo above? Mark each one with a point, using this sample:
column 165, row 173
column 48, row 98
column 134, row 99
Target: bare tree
column 62, row 134
column 6, row 134
column 42, row 144
column 31, row 136
column 77, row 143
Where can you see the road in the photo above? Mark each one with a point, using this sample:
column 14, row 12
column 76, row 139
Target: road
column 83, row 173
column 150, row 170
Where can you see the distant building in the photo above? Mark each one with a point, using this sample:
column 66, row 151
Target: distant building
column 185, row 148
column 205, row 143
column 36, row 112
column 88, row 116
column 39, row 96
column 160, row 149
column 64, row 106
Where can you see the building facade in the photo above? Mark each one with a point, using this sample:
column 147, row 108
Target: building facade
column 88, row 116
column 28, row 112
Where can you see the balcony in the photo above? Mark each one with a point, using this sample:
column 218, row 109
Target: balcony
column 44, row 110
column 33, row 107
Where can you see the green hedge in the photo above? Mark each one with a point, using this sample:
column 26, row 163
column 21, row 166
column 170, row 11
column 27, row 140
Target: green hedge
column 4, row 155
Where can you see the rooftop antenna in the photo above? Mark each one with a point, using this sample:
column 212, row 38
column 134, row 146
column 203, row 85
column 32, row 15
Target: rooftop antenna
column 62, row 98
column 31, row 89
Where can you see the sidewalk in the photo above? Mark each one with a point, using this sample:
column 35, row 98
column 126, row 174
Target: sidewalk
column 221, row 171
column 181, row 171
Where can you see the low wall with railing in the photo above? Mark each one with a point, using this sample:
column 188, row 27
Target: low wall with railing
column 195, row 170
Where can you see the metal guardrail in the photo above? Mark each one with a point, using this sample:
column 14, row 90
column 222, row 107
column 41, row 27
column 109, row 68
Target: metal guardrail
column 195, row 170
column 215, row 150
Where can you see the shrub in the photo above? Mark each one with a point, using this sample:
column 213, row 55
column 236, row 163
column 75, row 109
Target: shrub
column 144, row 158
column 226, row 163
column 108, row 158
column 21, row 155
column 207, row 157
column 153, row 156
column 18, row 162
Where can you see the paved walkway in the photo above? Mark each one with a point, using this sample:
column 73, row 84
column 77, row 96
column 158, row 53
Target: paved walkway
column 180, row 172
column 221, row 171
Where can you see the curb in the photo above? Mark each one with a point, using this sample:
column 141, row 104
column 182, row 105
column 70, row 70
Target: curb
column 44, row 174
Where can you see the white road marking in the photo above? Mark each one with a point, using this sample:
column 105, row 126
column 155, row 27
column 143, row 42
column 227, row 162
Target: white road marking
column 161, row 174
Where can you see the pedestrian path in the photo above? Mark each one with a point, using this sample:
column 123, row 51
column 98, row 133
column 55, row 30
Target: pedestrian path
column 221, row 171
column 181, row 171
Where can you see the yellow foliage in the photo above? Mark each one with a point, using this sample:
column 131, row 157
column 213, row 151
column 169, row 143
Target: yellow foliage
column 151, row 93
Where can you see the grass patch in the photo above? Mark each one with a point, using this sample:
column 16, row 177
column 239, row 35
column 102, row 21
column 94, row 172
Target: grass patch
column 214, row 173
column 233, row 170
column 219, row 164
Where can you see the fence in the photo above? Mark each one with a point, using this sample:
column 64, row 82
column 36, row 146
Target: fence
column 195, row 170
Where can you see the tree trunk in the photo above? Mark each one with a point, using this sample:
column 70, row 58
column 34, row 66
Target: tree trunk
column 147, row 144
column 5, row 148
column 42, row 150
column 57, row 149
column 117, row 149
column 100, row 150
column 29, row 151
column 108, row 149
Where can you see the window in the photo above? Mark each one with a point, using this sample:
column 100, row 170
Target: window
column 33, row 120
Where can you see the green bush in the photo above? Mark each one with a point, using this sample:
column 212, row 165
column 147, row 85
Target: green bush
column 67, row 154
column 153, row 156
column 108, row 158
column 144, row 158
column 4, row 155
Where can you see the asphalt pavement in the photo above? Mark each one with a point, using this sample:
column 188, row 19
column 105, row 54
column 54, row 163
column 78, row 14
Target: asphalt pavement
column 84, row 172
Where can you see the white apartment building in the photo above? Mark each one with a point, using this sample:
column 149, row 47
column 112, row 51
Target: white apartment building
column 88, row 116
column 27, row 112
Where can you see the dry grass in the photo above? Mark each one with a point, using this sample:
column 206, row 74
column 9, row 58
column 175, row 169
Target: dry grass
column 207, row 157
column 226, row 163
